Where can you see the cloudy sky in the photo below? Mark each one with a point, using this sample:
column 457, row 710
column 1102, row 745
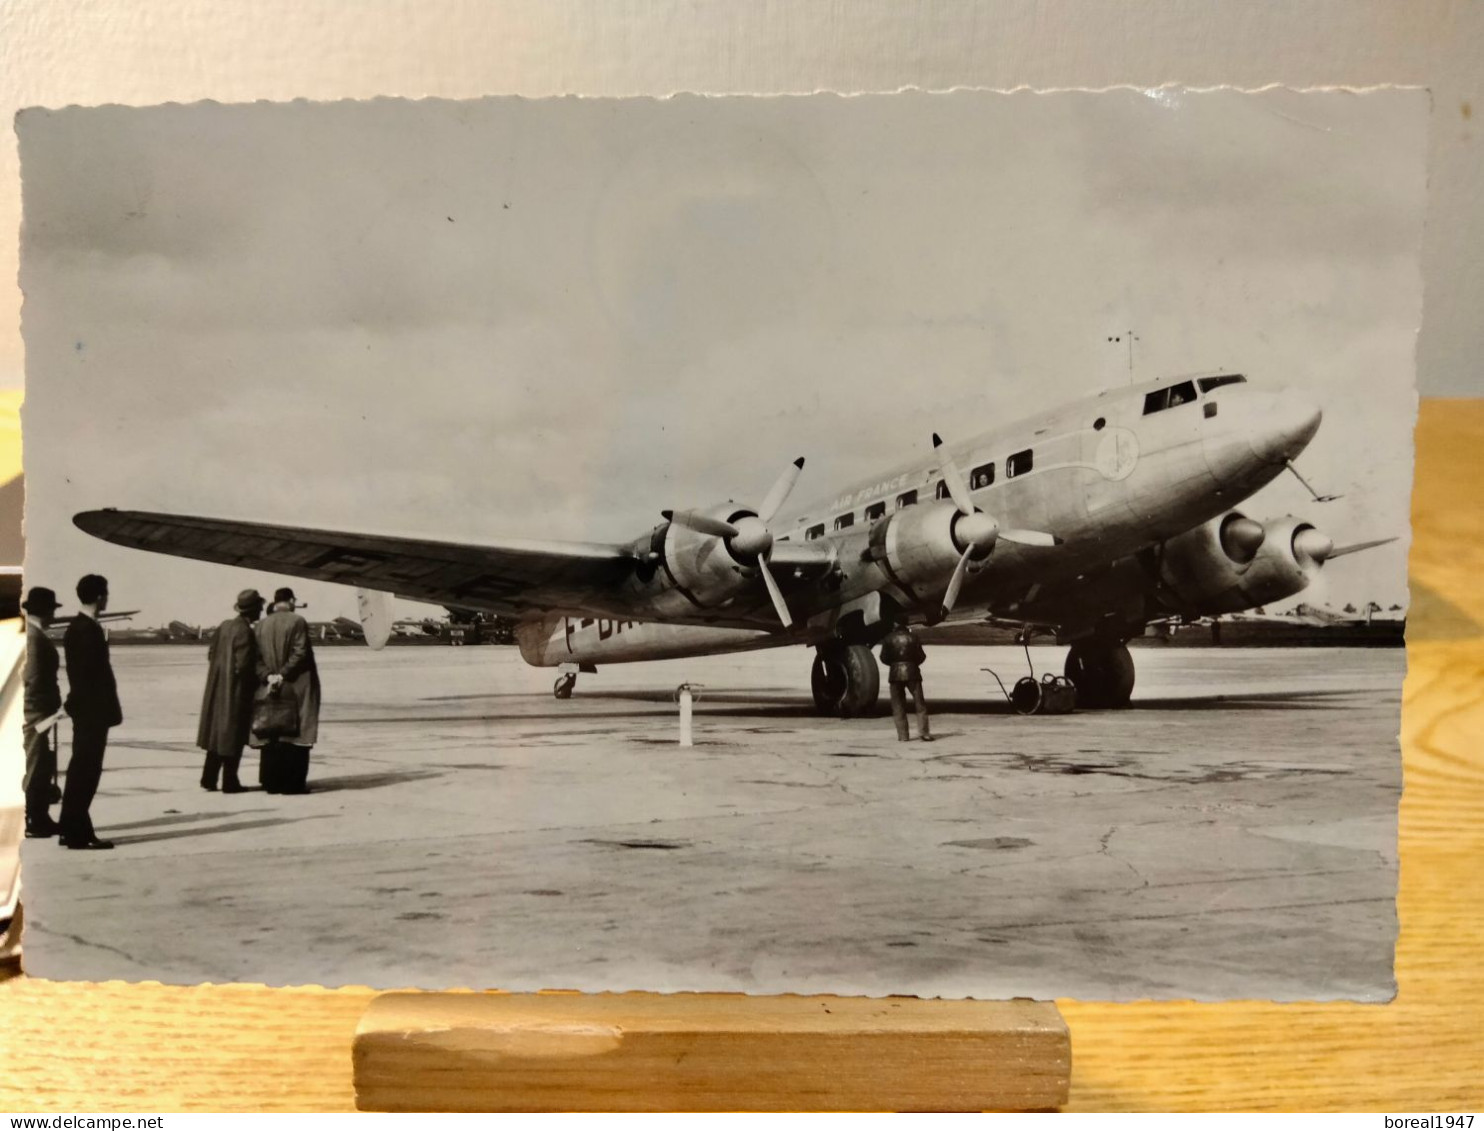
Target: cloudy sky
column 554, row 318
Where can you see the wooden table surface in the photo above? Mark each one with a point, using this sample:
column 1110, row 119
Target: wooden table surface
column 149, row 1048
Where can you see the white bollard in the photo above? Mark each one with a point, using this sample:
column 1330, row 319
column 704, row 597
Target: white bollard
column 685, row 715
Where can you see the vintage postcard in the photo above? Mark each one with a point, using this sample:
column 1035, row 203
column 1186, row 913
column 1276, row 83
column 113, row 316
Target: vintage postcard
column 944, row 544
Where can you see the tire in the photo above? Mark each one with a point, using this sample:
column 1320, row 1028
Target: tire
column 828, row 681
column 846, row 682
column 562, row 688
column 864, row 683
column 1103, row 672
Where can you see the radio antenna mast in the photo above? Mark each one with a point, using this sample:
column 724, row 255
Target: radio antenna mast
column 1130, row 337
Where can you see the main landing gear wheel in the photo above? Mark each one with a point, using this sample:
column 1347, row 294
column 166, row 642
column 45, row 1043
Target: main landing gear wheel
column 845, row 680
column 1103, row 671
column 562, row 688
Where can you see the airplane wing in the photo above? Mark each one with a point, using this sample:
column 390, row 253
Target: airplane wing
column 510, row 577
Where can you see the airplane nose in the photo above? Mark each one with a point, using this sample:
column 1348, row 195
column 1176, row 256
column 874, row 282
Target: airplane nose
column 1286, row 428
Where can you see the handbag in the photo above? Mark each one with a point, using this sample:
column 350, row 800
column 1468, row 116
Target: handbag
column 275, row 715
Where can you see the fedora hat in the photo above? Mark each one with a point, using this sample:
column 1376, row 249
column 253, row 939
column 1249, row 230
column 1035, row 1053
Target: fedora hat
column 40, row 600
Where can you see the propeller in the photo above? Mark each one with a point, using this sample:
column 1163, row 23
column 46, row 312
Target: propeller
column 700, row 523
column 1341, row 551
column 976, row 530
column 749, row 536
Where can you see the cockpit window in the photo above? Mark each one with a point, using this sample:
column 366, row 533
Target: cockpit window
column 1161, row 399
column 1209, row 383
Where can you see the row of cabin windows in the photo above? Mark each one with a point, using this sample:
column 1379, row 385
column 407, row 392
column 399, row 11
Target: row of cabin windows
column 981, row 476
column 1021, row 462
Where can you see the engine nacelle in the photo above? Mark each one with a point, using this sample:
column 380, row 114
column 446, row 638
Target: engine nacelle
column 919, row 547
column 682, row 569
column 702, row 564
column 1232, row 563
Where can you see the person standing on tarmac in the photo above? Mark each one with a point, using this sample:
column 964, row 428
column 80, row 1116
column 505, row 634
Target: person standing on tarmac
column 43, row 703
column 226, row 707
column 286, row 659
column 902, row 655
column 93, row 704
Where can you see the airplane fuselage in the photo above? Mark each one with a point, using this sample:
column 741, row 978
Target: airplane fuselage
column 1108, row 476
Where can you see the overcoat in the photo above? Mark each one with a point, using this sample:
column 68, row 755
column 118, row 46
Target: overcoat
column 43, row 695
column 284, row 649
column 231, row 679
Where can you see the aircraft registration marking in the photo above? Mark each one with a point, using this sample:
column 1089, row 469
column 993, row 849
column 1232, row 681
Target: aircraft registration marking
column 606, row 627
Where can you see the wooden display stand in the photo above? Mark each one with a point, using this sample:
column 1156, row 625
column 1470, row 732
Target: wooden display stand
column 707, row 1052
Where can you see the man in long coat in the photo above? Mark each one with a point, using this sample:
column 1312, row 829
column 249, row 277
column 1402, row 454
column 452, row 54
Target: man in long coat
column 902, row 653
column 43, row 702
column 93, row 704
column 286, row 658
column 231, row 680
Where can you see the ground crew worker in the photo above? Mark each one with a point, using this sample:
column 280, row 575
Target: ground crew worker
column 902, row 654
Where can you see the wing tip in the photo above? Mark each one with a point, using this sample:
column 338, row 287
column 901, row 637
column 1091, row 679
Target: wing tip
column 91, row 521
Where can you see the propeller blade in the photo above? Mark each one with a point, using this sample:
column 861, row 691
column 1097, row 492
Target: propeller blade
column 1030, row 537
column 956, row 582
column 700, row 523
column 957, row 489
column 781, row 490
column 775, row 593
column 1341, row 551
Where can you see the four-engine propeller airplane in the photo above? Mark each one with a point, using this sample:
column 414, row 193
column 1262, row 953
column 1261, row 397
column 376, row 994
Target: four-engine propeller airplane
column 1089, row 521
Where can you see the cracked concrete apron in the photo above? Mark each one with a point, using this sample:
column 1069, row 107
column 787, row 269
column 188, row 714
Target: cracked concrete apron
column 1233, row 835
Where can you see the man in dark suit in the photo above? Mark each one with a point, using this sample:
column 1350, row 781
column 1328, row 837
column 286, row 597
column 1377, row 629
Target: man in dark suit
column 93, row 704
column 42, row 705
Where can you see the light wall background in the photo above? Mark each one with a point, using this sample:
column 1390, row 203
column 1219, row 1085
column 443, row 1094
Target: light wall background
column 61, row 52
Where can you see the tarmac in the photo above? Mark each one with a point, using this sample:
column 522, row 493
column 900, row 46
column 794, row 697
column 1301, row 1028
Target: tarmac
column 1231, row 835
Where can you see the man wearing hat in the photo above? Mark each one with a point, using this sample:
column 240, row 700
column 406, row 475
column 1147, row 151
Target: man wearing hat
column 42, row 705
column 226, row 708
column 93, row 704
column 286, row 659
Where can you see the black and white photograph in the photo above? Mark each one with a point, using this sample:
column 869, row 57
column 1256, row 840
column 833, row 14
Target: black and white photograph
column 949, row 544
